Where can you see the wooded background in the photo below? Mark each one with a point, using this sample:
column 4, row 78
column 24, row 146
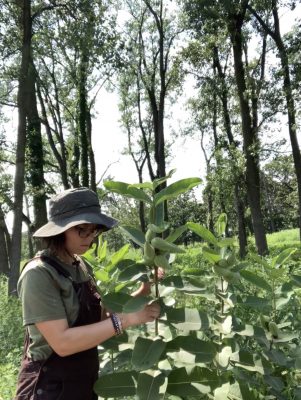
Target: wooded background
column 58, row 55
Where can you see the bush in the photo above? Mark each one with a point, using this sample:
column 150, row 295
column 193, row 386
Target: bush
column 11, row 341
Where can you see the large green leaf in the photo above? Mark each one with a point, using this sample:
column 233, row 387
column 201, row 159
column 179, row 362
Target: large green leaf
column 204, row 351
column 101, row 250
column 118, row 256
column 159, row 181
column 175, row 234
column 148, row 385
column 186, row 284
column 127, row 190
column 192, row 383
column 102, row 275
column 282, row 257
column 119, row 384
column 256, row 302
column 189, row 319
column 203, row 232
column 221, row 393
column 175, row 189
column 135, row 304
column 115, row 301
column 227, row 274
column 211, row 255
column 221, row 223
column 133, row 272
column 256, row 280
column 147, row 353
column 260, row 260
column 135, row 234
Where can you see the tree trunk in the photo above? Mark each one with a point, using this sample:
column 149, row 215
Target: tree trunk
column 239, row 203
column 15, row 251
column 4, row 246
column 91, row 153
column 35, row 151
column 249, row 136
column 83, row 110
column 287, row 87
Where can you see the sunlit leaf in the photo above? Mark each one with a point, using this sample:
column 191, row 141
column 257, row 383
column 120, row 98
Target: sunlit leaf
column 203, row 232
column 204, row 351
column 221, row 223
column 188, row 319
column 192, row 383
column 175, row 189
column 118, row 256
column 211, row 255
column 284, row 256
column 102, row 275
column 176, row 233
column 127, row 190
column 159, row 181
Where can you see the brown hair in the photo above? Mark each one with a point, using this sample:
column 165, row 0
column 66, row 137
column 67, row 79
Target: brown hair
column 54, row 243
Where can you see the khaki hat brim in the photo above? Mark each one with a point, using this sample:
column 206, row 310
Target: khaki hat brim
column 55, row 227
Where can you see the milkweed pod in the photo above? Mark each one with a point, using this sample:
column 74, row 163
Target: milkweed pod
column 165, row 246
column 149, row 251
column 273, row 328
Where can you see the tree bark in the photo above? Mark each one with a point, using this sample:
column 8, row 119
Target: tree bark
column 15, row 251
column 287, row 87
column 35, row 159
column 249, row 134
column 239, row 203
column 83, row 110
column 4, row 246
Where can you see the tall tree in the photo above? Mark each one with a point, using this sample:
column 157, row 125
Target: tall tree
column 153, row 32
column 274, row 32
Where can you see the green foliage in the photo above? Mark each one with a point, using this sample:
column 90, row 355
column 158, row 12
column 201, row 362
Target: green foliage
column 11, row 341
column 228, row 329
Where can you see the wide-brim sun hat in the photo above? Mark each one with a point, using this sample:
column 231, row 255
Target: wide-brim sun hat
column 74, row 207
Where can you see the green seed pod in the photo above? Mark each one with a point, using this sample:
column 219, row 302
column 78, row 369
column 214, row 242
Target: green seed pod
column 273, row 328
column 264, row 321
column 149, row 253
column 164, row 246
column 149, row 235
column 161, row 261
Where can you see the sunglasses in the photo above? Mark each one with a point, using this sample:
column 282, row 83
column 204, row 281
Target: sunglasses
column 88, row 231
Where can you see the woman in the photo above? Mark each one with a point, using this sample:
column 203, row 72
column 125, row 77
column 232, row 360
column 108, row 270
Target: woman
column 61, row 305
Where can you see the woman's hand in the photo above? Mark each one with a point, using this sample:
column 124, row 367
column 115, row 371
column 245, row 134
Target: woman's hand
column 148, row 314
column 145, row 287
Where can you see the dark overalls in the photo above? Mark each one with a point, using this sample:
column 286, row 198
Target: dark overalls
column 64, row 378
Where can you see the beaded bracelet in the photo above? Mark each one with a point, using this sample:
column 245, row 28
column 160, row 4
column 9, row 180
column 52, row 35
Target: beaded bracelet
column 117, row 325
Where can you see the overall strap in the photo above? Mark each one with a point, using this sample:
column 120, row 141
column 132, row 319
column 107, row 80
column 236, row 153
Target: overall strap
column 52, row 262
column 56, row 266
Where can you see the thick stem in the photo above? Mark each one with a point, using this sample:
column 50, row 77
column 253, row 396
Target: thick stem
column 157, row 297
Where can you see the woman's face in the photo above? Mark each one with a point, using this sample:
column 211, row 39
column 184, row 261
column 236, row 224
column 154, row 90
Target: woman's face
column 78, row 239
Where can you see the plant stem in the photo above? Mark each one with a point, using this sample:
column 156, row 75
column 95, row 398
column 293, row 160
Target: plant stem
column 157, row 297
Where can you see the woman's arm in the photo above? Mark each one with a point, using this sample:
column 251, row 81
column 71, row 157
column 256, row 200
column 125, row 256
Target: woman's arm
column 65, row 341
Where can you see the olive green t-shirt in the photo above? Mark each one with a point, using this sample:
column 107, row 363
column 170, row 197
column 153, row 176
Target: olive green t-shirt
column 47, row 295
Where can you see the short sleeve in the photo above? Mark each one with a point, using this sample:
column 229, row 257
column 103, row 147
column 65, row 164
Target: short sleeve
column 40, row 296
